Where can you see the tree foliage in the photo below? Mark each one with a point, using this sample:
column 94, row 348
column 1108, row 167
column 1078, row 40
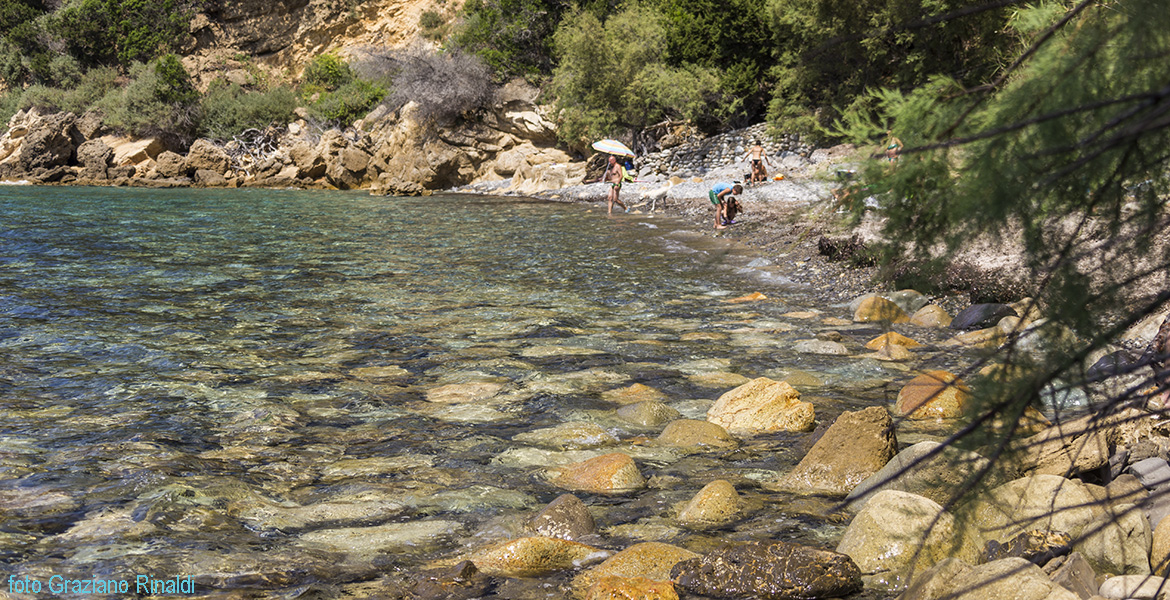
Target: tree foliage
column 228, row 109
column 513, row 37
column 831, row 51
column 613, row 75
column 1065, row 152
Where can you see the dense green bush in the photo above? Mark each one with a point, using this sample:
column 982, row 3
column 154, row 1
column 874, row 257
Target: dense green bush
column 159, row 101
column 228, row 109
column 347, row 103
column 514, row 37
column 326, row 73
column 84, row 94
column 612, row 76
column 9, row 104
column 104, row 32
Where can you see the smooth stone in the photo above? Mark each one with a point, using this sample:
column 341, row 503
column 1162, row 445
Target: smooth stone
column 931, row 315
column 1136, row 587
column 648, row 414
column 932, row 395
column 878, row 309
column 982, row 316
column 1118, row 542
column 762, row 405
column 386, row 538
column 566, row 518
column 992, row 337
column 769, row 571
column 820, row 347
column 548, row 351
column 853, row 448
column 1151, row 472
column 898, row 536
column 936, row 477
column 891, row 353
column 608, row 473
column 752, row 297
column 1046, row 502
column 891, row 338
column 535, row 556
column 572, row 436
column 651, row 560
column 633, row 394
column 1037, row 547
column 1160, row 549
column 690, row 433
column 716, row 503
column 1076, row 575
column 612, row 587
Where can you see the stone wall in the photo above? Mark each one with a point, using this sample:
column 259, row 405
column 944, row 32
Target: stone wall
column 694, row 159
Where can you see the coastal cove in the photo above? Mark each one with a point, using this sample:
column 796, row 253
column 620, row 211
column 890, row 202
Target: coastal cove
column 221, row 383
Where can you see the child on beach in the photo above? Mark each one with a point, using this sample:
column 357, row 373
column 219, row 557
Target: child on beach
column 722, row 196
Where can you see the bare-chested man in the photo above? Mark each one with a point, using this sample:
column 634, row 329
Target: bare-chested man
column 613, row 175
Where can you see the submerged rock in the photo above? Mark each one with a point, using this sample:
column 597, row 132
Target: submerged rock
column 390, row 537
column 648, row 414
column 612, row 587
column 571, row 436
column 633, row 394
column 769, row 571
column 690, row 433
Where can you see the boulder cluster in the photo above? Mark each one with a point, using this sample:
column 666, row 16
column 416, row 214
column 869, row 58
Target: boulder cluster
column 1054, row 509
column 393, row 153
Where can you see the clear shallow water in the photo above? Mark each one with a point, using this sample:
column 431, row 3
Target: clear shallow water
column 183, row 372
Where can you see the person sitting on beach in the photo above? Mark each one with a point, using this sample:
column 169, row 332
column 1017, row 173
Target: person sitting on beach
column 614, row 173
column 722, row 195
column 758, row 156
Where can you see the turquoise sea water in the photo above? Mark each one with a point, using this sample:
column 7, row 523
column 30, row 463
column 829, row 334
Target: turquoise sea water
column 218, row 384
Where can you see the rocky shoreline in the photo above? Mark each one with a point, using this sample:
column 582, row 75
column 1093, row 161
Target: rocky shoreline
column 1074, row 510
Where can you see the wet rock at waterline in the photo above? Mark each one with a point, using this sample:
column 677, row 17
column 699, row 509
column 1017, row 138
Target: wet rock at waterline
column 716, row 503
column 535, row 556
column 608, row 473
column 390, row 537
column 762, row 405
column 634, row 394
column 878, row 309
column 931, row 315
column 932, row 395
column 651, row 560
column 769, row 571
column 854, row 447
column 891, row 338
column 566, row 518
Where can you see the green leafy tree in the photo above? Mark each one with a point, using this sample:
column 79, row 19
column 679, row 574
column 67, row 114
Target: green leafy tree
column 831, row 51
column 514, row 37
column 733, row 38
column 158, row 101
column 1064, row 152
column 106, row 32
column 612, row 76
column 327, row 72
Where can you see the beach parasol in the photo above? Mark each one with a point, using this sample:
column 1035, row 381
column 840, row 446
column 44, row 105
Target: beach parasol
column 613, row 147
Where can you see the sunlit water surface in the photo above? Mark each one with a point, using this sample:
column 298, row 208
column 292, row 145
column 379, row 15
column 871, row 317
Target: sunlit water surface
column 181, row 372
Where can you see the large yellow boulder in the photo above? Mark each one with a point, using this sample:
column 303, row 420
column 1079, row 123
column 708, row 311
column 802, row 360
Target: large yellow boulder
column 762, row 405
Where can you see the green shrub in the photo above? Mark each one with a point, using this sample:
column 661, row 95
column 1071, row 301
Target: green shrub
column 228, row 109
column 9, row 104
column 103, row 32
column 348, row 103
column 327, row 72
column 514, row 37
column 155, row 103
column 433, row 25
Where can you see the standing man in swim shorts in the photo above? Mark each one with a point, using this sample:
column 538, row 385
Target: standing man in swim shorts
column 720, row 196
column 613, row 176
column 758, row 155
